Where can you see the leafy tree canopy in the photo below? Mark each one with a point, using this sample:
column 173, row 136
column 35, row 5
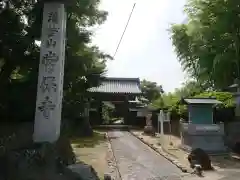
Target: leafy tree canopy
column 20, row 23
column 151, row 90
column 225, row 97
column 208, row 45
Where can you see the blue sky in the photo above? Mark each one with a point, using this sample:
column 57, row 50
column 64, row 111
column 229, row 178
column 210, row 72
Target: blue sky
column 146, row 50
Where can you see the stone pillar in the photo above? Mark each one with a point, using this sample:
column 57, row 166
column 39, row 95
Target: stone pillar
column 100, row 120
column 161, row 121
column 51, row 71
column 126, row 111
column 237, row 108
column 86, row 110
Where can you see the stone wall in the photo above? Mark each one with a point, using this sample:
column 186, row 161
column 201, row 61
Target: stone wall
column 175, row 127
column 232, row 133
column 207, row 137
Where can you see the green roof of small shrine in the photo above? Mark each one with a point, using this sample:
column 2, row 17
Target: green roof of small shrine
column 202, row 101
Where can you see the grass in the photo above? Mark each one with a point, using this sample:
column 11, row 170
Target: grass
column 93, row 151
column 97, row 138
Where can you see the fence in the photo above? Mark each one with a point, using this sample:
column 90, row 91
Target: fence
column 172, row 127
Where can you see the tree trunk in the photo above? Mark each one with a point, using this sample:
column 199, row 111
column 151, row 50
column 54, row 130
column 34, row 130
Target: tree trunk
column 5, row 74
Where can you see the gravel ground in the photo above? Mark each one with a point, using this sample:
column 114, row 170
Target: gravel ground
column 112, row 165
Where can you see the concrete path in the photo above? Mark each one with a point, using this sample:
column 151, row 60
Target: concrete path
column 138, row 161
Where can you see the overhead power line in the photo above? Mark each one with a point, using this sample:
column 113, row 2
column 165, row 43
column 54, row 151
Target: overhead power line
column 119, row 43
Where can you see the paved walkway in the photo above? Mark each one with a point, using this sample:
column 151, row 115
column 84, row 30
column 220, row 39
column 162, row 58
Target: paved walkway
column 138, row 161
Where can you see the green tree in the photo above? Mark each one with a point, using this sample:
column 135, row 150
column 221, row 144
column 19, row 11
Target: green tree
column 225, row 97
column 171, row 100
column 151, row 90
column 20, row 23
column 208, row 45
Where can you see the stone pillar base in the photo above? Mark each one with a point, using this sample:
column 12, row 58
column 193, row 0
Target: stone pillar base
column 149, row 130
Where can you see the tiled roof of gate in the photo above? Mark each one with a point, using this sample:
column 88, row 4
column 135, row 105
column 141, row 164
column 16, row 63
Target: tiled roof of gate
column 118, row 85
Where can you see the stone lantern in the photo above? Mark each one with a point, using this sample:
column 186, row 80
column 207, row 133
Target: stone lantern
column 148, row 129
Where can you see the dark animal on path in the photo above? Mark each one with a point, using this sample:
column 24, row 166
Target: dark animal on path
column 198, row 169
column 200, row 157
column 107, row 177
